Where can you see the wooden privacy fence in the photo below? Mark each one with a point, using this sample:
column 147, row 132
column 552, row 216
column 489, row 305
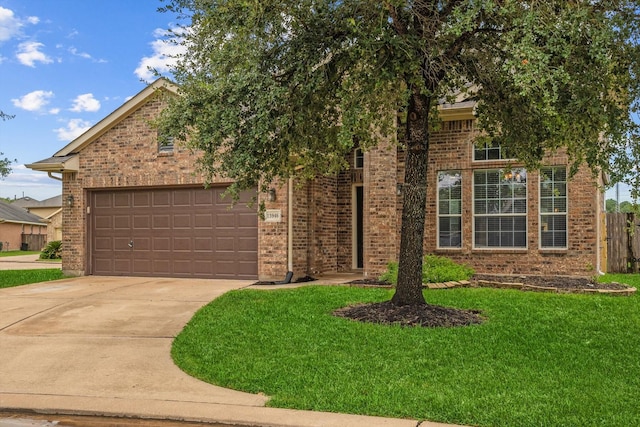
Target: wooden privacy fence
column 623, row 243
column 33, row 242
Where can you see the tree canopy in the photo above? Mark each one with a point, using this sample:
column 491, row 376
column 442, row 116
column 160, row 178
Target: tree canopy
column 277, row 88
column 5, row 163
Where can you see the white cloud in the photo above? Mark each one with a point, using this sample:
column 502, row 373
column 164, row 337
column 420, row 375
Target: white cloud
column 85, row 102
column 33, row 101
column 163, row 57
column 26, row 182
column 75, row 52
column 74, row 128
column 11, row 25
column 29, row 53
column 54, row 111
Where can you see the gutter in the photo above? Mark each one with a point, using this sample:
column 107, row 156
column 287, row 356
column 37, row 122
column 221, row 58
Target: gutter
column 57, row 178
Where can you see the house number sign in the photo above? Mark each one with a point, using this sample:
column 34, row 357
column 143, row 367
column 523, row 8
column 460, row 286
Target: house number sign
column 273, row 215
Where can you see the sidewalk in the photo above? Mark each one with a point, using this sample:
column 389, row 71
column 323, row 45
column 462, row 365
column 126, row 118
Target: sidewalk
column 26, row 262
column 101, row 346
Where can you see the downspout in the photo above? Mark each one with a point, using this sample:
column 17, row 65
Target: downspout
column 290, row 226
column 57, row 178
column 599, row 247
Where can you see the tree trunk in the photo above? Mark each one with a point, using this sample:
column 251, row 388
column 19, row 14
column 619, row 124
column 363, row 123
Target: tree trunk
column 414, row 192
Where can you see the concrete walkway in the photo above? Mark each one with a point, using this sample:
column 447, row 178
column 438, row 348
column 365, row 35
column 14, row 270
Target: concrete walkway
column 26, row 262
column 101, row 346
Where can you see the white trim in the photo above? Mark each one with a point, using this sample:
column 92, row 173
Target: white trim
column 514, row 215
column 565, row 213
column 116, row 116
column 449, row 215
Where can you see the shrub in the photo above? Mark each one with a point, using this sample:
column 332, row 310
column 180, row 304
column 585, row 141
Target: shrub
column 53, row 250
column 435, row 269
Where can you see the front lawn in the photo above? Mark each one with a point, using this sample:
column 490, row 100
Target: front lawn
column 9, row 278
column 539, row 359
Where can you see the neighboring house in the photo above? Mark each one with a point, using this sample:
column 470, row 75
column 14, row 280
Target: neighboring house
column 20, row 229
column 49, row 209
column 134, row 207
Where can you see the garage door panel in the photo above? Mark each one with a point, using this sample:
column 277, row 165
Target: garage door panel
column 142, row 267
column 182, row 221
column 203, row 221
column 161, row 244
column 246, row 220
column 247, row 244
column 183, row 232
column 161, row 198
column 142, row 222
column 121, row 200
column 182, row 198
column 141, row 199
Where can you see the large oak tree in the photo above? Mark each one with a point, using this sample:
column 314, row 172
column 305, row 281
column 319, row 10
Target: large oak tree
column 269, row 86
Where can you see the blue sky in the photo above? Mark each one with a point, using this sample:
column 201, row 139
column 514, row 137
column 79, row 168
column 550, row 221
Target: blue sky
column 65, row 65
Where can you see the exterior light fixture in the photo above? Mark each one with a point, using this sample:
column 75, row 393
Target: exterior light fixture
column 70, row 200
column 271, row 195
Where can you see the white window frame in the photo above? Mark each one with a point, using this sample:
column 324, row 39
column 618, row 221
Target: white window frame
column 516, row 175
column 556, row 204
column 358, row 157
column 440, row 215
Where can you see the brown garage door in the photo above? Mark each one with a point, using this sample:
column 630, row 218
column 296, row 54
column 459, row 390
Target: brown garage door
column 175, row 232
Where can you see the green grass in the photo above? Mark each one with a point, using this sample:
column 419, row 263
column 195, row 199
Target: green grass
column 18, row 253
column 539, row 359
column 10, row 278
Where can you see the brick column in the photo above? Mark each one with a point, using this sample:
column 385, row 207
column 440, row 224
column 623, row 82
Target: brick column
column 380, row 211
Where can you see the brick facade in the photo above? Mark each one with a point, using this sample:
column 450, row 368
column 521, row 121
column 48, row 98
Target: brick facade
column 317, row 232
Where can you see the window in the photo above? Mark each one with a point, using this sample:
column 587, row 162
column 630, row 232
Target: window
column 500, row 208
column 165, row 143
column 449, row 209
column 553, row 207
column 488, row 151
column 358, row 158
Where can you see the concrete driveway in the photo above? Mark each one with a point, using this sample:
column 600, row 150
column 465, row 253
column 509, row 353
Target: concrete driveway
column 101, row 345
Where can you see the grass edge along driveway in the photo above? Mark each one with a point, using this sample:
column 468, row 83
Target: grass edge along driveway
column 539, row 359
column 10, row 278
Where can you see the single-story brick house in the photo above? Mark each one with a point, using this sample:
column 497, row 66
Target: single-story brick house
column 49, row 209
column 134, row 207
column 20, row 229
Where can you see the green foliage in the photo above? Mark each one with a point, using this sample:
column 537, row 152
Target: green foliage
column 5, row 163
column 435, row 269
column 10, row 278
column 625, row 207
column 529, row 364
column 286, row 88
column 270, row 86
column 53, row 250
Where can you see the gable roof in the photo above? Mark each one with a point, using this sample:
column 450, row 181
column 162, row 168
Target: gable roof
column 28, row 202
column 65, row 160
column 17, row 215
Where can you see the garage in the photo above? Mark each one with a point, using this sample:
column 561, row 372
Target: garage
column 172, row 232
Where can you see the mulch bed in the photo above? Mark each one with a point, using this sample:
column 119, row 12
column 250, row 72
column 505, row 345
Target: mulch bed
column 559, row 282
column 432, row 316
column 425, row 315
